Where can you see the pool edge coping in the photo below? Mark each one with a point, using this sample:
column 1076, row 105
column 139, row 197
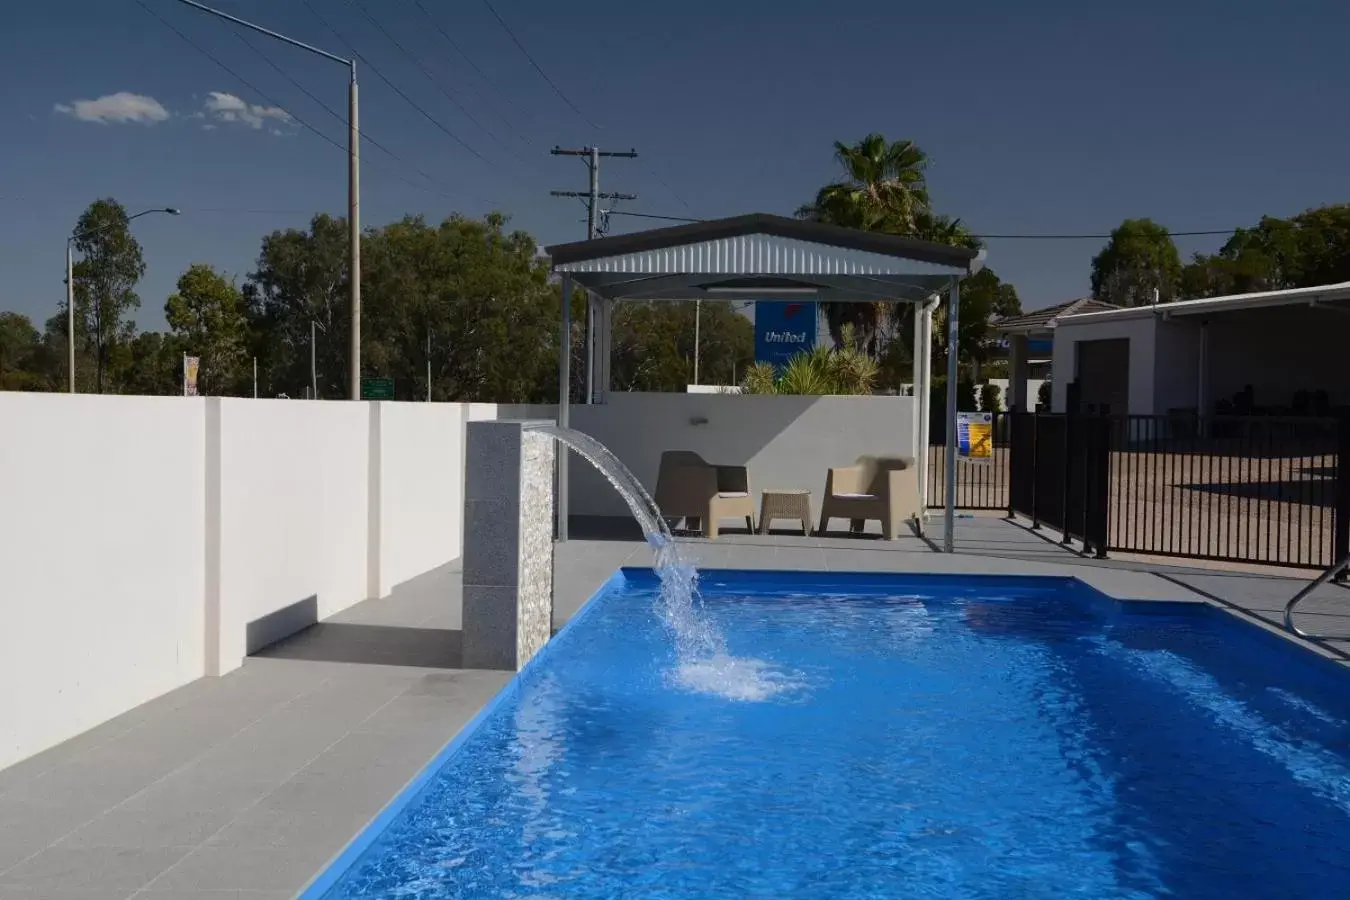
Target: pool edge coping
column 342, row 862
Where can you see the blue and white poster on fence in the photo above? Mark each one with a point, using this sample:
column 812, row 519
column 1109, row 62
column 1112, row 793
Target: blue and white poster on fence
column 975, row 436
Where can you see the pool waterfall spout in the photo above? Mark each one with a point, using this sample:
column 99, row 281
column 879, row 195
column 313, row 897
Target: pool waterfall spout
column 696, row 638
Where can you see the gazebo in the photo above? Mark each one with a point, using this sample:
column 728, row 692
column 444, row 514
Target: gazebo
column 761, row 257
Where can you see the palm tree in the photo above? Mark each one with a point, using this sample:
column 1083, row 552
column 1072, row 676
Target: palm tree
column 883, row 189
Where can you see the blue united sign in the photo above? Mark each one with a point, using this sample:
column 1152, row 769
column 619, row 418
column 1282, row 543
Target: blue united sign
column 783, row 328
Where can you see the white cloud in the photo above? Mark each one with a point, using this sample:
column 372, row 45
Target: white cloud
column 116, row 109
column 230, row 108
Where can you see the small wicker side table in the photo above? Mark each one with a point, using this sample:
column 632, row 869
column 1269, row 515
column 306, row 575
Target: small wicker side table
column 785, row 504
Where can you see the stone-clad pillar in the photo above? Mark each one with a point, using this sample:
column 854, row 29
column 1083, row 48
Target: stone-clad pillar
column 508, row 544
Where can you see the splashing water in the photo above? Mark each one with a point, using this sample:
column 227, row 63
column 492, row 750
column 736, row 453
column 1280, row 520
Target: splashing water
column 703, row 662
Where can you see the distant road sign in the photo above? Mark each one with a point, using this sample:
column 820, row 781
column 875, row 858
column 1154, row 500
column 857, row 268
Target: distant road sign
column 377, row 389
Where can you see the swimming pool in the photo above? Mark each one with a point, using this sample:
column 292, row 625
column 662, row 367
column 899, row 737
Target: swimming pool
column 909, row 736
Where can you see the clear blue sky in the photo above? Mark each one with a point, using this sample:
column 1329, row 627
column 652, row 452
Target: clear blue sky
column 1039, row 117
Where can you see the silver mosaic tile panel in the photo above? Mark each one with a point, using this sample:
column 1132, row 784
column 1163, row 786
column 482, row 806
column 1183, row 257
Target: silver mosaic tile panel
column 534, row 598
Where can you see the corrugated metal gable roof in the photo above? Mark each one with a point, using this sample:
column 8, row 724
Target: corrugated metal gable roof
column 764, row 225
column 755, row 254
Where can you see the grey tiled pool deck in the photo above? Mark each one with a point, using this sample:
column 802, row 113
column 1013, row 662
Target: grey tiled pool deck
column 245, row 786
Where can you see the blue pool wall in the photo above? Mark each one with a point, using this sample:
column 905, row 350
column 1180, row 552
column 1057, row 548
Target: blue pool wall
column 1271, row 649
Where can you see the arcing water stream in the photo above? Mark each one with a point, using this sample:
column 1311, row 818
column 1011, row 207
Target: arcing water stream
column 703, row 663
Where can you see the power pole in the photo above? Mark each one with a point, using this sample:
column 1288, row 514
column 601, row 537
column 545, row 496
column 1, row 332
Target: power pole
column 592, row 198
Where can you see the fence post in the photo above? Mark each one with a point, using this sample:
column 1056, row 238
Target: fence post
column 1012, row 466
column 1342, row 502
column 1066, row 483
column 1035, row 471
column 1098, row 523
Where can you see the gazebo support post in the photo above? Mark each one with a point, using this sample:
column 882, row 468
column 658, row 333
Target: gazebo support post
column 953, row 354
column 564, row 401
column 606, row 347
column 924, row 349
column 594, row 324
column 919, row 378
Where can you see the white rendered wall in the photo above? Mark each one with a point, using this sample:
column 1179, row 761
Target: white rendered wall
column 101, row 560
column 148, row 541
column 421, row 490
column 1141, row 334
column 785, row 441
column 294, row 523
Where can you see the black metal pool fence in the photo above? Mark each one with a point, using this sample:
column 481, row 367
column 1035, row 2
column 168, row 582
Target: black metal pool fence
column 1249, row 489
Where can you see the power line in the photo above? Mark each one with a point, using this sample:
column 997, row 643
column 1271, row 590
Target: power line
column 984, row 237
column 395, row 88
column 557, row 90
column 481, row 74
column 670, row 190
column 542, row 74
column 255, row 89
column 1073, row 237
column 427, row 74
column 638, row 215
column 339, row 116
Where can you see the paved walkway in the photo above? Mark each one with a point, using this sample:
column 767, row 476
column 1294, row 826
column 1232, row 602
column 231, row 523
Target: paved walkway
column 244, row 787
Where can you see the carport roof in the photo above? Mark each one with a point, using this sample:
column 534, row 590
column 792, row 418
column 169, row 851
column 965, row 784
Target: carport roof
column 1306, row 296
column 762, row 255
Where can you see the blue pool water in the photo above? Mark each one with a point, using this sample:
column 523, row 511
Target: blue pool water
column 914, row 737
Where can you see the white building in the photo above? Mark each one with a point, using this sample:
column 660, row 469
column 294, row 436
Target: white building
column 1278, row 352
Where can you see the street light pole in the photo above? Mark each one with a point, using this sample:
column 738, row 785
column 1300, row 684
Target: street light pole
column 354, row 227
column 313, row 366
column 70, row 281
column 353, row 176
column 70, row 309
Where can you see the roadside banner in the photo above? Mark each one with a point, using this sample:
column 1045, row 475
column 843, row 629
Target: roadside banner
column 975, row 436
column 190, row 366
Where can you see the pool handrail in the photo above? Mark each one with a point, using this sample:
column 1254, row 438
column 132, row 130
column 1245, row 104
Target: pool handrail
column 1340, row 566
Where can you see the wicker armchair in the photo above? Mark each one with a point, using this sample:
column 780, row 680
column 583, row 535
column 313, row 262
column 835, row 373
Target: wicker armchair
column 689, row 488
column 882, row 488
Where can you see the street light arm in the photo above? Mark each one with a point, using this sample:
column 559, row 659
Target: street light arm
column 272, row 34
column 173, row 211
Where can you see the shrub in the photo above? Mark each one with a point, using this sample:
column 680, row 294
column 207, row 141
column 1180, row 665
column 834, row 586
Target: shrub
column 965, row 397
column 844, row 370
column 991, row 398
column 761, row 379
